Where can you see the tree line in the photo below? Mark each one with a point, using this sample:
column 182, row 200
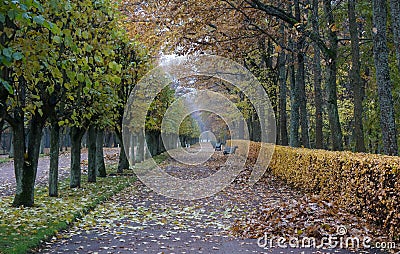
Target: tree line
column 313, row 57
column 73, row 65
column 68, row 65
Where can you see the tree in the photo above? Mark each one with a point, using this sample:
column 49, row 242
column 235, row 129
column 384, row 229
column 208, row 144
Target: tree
column 132, row 57
column 387, row 117
column 319, row 139
column 282, row 94
column 26, row 93
column 100, row 166
column 247, row 31
column 54, row 155
column 294, row 140
column 92, row 138
column 355, row 78
column 333, row 114
column 300, row 81
column 92, row 75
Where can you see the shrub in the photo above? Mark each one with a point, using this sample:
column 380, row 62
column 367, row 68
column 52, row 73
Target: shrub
column 364, row 184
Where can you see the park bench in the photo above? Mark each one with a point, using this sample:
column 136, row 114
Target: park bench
column 230, row 149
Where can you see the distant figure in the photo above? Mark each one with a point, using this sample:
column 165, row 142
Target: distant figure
column 230, row 150
column 218, row 147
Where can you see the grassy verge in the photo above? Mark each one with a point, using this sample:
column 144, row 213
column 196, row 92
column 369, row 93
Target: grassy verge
column 4, row 160
column 24, row 228
column 161, row 157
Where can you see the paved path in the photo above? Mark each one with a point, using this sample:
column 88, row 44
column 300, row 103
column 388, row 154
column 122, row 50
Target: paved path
column 7, row 175
column 138, row 220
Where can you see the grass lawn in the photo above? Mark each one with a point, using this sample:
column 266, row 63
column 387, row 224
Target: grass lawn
column 24, row 228
column 4, row 159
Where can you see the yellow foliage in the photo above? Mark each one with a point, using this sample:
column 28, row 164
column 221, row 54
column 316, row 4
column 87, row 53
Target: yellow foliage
column 367, row 185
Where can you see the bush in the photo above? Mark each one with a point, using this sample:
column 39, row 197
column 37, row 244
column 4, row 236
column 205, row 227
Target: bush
column 367, row 185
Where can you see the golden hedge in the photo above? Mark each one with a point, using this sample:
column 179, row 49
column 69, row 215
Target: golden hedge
column 365, row 184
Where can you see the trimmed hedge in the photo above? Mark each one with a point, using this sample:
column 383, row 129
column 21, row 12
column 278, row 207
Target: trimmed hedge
column 364, row 184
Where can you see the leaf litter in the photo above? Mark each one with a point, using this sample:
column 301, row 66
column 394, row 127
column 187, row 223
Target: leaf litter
column 139, row 220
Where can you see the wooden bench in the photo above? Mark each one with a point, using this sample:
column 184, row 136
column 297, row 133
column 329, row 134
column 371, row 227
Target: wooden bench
column 230, row 149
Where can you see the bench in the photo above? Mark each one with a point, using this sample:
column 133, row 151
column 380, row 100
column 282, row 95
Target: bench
column 230, row 149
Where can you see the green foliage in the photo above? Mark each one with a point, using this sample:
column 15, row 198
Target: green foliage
column 133, row 61
column 189, row 128
column 13, row 16
column 158, row 108
column 72, row 56
column 89, row 63
column 24, row 228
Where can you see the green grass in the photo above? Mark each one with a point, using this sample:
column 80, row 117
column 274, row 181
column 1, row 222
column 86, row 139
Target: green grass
column 22, row 229
column 4, row 160
column 161, row 157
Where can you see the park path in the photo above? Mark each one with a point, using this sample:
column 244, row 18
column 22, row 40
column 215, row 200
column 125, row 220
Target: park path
column 7, row 175
column 138, row 220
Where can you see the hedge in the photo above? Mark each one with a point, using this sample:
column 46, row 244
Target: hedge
column 367, row 185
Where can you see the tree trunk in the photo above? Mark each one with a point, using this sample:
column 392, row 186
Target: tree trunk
column 319, row 138
column 301, row 86
column 25, row 164
column 84, row 141
column 76, row 134
column 42, row 140
column 282, row 95
column 295, row 106
column 61, row 138
column 108, row 137
column 173, row 141
column 159, row 143
column 54, row 155
column 256, row 126
column 395, row 14
column 250, row 127
column 1, row 126
column 23, row 196
column 91, row 134
column 132, row 150
column 123, row 162
column 140, row 149
column 333, row 113
column 300, row 94
column 355, row 78
column 387, row 117
column 100, row 165
column 152, row 139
